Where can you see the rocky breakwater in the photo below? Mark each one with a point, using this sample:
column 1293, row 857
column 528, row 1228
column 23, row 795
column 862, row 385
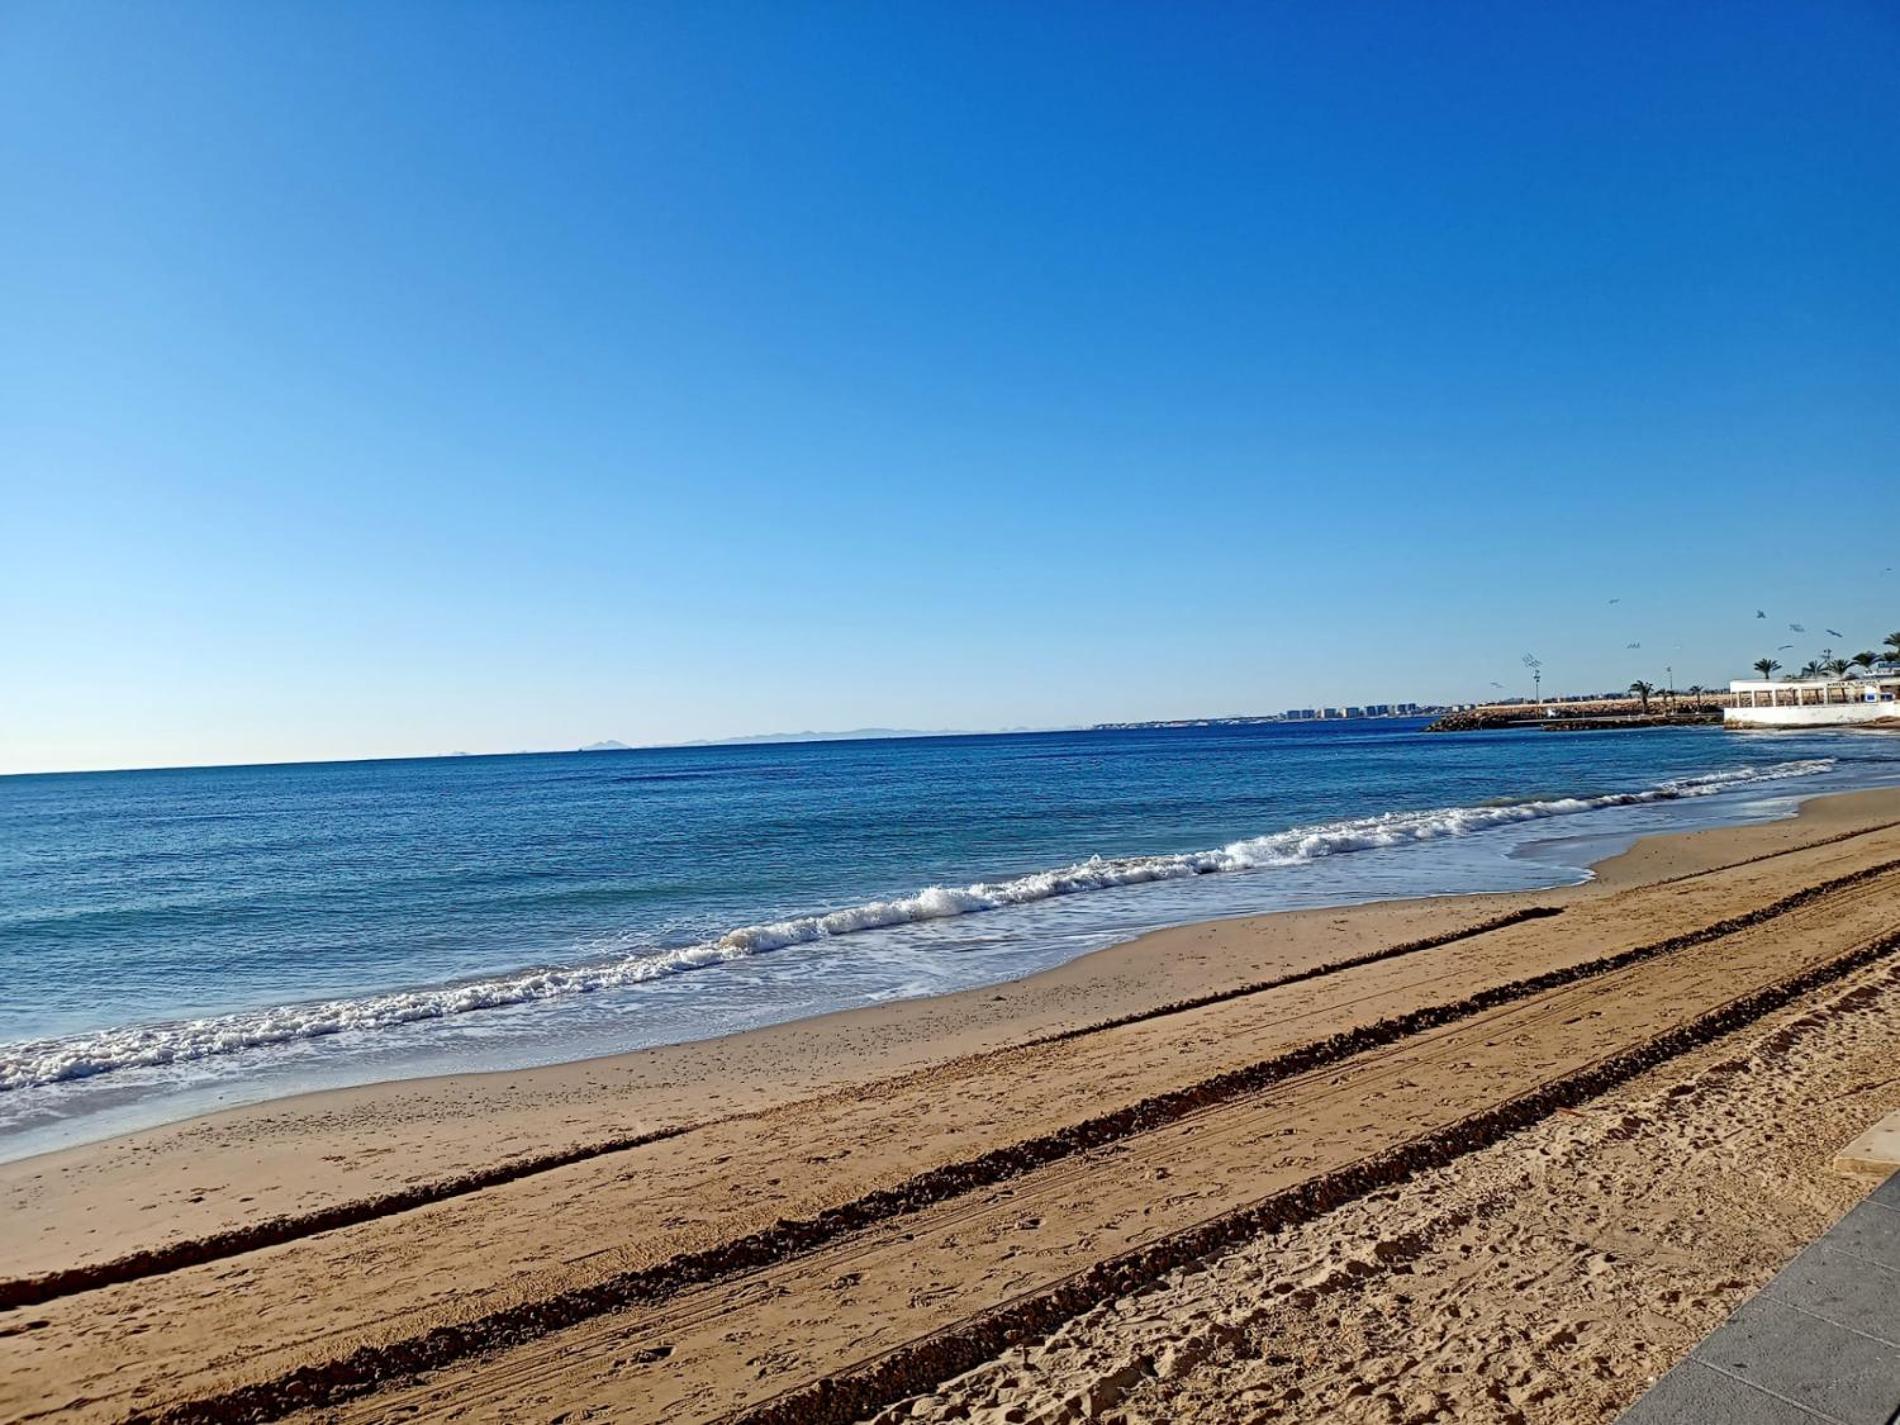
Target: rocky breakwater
column 1488, row 719
column 1605, row 716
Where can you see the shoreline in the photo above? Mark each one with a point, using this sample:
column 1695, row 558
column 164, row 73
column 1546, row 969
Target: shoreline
column 898, row 1171
column 554, row 1110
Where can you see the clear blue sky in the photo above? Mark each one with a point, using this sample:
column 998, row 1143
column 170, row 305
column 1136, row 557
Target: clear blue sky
column 384, row 379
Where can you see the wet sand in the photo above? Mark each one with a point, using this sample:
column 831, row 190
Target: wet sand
column 929, row 1207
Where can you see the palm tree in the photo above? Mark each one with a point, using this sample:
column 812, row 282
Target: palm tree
column 1865, row 660
column 1766, row 667
column 1836, row 667
column 1810, row 669
column 1642, row 690
column 1892, row 654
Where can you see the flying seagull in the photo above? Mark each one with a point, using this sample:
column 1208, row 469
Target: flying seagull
column 1632, row 645
column 1835, row 631
column 1497, row 685
column 1760, row 614
column 1783, row 648
column 1797, row 628
column 1616, row 601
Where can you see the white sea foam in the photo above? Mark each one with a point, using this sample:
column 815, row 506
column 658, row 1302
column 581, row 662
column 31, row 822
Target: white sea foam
column 51, row 1061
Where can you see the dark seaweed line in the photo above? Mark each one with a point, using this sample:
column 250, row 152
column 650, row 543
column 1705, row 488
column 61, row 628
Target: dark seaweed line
column 1834, row 839
column 920, row 1366
column 369, row 1367
column 276, row 1231
column 1313, row 972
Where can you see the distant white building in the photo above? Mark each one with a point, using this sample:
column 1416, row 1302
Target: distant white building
column 1818, row 702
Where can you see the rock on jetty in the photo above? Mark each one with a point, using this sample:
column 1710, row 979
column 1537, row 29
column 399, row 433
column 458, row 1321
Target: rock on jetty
column 1605, row 716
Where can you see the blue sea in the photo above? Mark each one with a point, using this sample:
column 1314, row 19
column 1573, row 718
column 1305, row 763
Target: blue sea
column 177, row 941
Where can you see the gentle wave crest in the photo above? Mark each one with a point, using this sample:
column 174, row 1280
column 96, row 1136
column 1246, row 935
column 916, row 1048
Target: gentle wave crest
column 53, row 1061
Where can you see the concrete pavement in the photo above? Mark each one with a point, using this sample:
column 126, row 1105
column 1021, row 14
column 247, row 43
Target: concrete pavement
column 1819, row 1343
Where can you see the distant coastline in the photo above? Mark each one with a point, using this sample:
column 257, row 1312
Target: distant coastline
column 1503, row 710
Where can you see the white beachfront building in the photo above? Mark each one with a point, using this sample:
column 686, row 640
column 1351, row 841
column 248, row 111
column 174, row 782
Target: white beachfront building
column 1816, row 702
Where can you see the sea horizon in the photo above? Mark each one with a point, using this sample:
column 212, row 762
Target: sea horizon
column 763, row 739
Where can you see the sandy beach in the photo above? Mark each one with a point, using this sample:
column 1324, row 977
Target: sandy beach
column 1474, row 1158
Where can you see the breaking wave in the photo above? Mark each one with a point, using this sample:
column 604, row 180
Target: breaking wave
column 53, row 1061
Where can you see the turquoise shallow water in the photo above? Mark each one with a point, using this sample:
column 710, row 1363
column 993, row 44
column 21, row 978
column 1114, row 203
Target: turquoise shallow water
column 176, row 940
